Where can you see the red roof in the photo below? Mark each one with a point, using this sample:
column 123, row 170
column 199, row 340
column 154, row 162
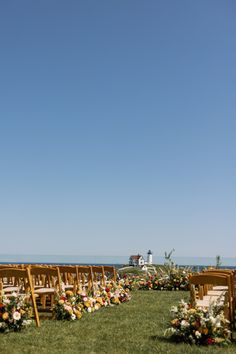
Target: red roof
column 136, row 256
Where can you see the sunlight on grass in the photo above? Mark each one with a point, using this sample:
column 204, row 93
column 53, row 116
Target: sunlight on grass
column 133, row 327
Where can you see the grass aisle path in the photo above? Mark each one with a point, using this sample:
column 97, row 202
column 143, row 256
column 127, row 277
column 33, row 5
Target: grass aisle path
column 134, row 327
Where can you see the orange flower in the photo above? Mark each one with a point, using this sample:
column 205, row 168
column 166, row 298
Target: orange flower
column 203, row 330
column 5, row 316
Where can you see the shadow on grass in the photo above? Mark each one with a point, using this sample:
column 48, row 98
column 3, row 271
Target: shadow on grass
column 161, row 339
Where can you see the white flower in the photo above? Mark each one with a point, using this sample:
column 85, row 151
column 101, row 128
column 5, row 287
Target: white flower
column 85, row 298
column 184, row 324
column 73, row 316
column 89, row 309
column 218, row 321
column 184, row 304
column 16, row 316
column 174, row 309
column 67, row 308
column 198, row 334
column 26, row 322
column 203, row 322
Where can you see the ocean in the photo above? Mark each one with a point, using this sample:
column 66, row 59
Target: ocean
column 117, row 261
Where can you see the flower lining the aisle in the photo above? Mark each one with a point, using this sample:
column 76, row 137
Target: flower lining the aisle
column 198, row 326
column 15, row 312
column 71, row 306
column 66, row 306
column 176, row 279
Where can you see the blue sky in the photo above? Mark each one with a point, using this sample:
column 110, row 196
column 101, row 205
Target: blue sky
column 117, row 127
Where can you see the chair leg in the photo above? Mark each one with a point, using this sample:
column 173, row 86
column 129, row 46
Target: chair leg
column 35, row 310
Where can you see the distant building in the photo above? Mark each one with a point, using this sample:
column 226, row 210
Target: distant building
column 136, row 260
column 149, row 257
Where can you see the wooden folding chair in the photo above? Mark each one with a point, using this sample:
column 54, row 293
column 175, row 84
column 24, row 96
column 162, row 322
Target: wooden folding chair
column 98, row 275
column 232, row 275
column 69, row 277
column 110, row 273
column 10, row 284
column 47, row 282
column 85, row 277
column 22, row 278
column 206, row 281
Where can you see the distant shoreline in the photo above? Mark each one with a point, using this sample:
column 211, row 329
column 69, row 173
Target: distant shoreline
column 112, row 260
column 194, row 267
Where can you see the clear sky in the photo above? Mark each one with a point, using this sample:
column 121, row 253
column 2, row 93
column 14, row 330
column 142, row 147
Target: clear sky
column 118, row 127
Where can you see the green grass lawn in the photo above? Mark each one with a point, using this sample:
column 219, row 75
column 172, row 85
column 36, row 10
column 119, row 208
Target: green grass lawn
column 133, row 327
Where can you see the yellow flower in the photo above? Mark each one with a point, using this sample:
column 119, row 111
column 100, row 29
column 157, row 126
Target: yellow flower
column 97, row 306
column 5, row 316
column 219, row 340
column 78, row 314
column 87, row 303
column 116, row 300
column 175, row 322
column 99, row 300
column 69, row 293
column 192, row 311
column 22, row 311
column 61, row 302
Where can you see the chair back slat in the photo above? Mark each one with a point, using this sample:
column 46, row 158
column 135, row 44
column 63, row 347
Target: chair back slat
column 23, row 278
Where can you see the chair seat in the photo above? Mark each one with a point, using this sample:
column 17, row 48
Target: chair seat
column 68, row 286
column 45, row 291
column 202, row 303
column 213, row 299
column 216, row 292
column 10, row 289
column 220, row 287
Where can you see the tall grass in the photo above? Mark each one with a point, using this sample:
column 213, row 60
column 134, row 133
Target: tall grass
column 133, row 327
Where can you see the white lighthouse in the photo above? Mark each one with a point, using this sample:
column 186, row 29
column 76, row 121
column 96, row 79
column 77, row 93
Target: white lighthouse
column 149, row 257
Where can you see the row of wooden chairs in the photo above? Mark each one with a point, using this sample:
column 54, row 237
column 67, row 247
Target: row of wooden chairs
column 43, row 282
column 215, row 286
column 80, row 275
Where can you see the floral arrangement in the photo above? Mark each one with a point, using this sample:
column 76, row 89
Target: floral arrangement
column 198, row 326
column 66, row 306
column 134, row 282
column 87, row 301
column 71, row 306
column 15, row 312
column 177, row 279
column 116, row 293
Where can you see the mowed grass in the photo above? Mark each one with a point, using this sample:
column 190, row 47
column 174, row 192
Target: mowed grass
column 134, row 327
